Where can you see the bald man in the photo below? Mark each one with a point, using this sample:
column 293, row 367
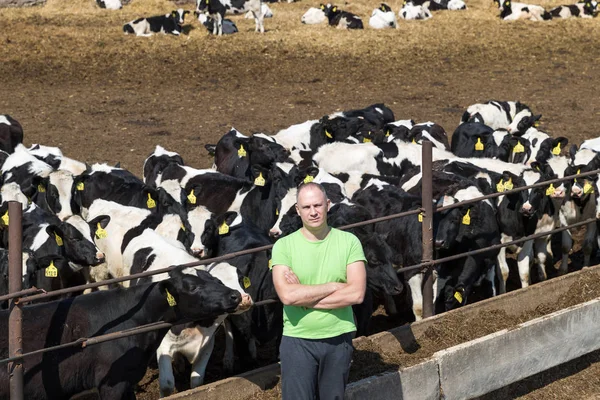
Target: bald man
column 319, row 273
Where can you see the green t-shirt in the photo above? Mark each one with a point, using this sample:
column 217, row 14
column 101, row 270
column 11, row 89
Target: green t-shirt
column 315, row 263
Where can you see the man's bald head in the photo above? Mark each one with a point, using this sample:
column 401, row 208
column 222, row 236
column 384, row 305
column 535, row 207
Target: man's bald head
column 310, row 185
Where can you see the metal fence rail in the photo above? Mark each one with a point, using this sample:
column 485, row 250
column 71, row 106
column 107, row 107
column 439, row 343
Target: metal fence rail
column 19, row 297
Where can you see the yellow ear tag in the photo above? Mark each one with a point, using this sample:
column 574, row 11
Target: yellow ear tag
column 518, row 148
column 467, row 218
column 309, row 178
column 458, row 297
column 41, row 188
column 80, row 186
column 550, row 190
column 334, row 9
column 224, row 228
column 5, row 218
column 182, row 227
column 100, row 232
column 556, row 150
column 587, row 188
column 329, row 135
column 259, row 181
column 276, row 211
column 270, row 264
column 414, row 141
column 420, row 217
column 246, row 281
column 191, row 197
column 508, row 185
column 242, row 151
column 479, row 145
column 170, row 299
column 322, row 7
column 367, row 140
column 150, row 203
column 51, row 271
column 387, row 133
column 578, row 172
column 536, row 124
column 500, row 186
column 59, row 240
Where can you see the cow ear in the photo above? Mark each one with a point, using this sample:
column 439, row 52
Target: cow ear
column 38, row 185
column 100, row 221
column 230, row 216
column 573, row 151
column 56, row 234
column 118, row 164
column 536, row 165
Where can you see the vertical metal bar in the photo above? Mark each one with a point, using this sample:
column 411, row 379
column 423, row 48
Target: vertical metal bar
column 15, row 284
column 427, row 226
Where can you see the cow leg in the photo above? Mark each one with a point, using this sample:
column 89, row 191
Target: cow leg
column 416, row 291
column 199, row 365
column 228, row 356
column 166, row 379
column 567, row 245
column 503, row 270
column 220, row 24
column 588, row 243
column 525, row 254
column 259, row 21
column 541, row 256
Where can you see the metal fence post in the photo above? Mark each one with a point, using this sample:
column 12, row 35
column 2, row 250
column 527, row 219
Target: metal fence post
column 427, row 225
column 15, row 284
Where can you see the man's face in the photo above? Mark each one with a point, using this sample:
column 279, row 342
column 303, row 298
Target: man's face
column 312, row 207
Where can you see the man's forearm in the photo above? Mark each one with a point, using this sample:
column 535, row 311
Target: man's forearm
column 307, row 295
column 344, row 297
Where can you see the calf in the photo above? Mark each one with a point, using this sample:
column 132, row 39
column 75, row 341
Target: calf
column 229, row 26
column 23, row 168
column 474, row 139
column 544, row 147
column 583, row 9
column 217, row 9
column 314, row 16
column 156, row 162
column 410, row 11
column 513, row 12
column 11, row 133
column 167, row 24
column 115, row 367
column 497, row 114
column 342, row 19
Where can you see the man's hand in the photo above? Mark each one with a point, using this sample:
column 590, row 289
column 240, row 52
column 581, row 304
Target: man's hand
column 290, row 276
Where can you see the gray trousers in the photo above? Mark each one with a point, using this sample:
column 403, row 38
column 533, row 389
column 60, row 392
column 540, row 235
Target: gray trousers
column 315, row 369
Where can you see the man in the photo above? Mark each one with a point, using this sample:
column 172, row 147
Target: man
column 319, row 273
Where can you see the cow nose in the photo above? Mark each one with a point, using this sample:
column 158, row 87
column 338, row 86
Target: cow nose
column 274, row 233
column 527, row 210
column 198, row 252
column 439, row 243
column 100, row 256
column 246, row 299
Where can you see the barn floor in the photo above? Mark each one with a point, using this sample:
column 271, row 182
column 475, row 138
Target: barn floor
column 73, row 80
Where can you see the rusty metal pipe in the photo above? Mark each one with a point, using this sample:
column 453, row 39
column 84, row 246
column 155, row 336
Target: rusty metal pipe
column 427, row 225
column 15, row 284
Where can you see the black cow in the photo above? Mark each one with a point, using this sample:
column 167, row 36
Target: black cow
column 112, row 367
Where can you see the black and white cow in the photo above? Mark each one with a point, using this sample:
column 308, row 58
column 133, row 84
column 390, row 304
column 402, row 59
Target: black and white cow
column 342, row 19
column 23, row 168
column 156, row 162
column 110, row 4
column 167, row 24
column 429, row 131
column 474, row 139
column 582, row 9
column 544, row 147
column 435, row 5
column 411, row 11
column 113, row 368
column 513, row 12
column 314, row 16
column 11, row 133
column 216, row 9
column 513, row 116
column 383, row 17
column 54, row 157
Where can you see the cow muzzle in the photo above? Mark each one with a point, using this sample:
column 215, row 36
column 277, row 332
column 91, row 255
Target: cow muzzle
column 200, row 253
column 275, row 233
column 245, row 304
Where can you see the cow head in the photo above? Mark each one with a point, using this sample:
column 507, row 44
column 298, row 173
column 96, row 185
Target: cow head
column 198, row 297
column 523, row 121
column 589, row 7
column 385, row 8
column 514, row 149
column 179, row 16
column 266, row 152
column 582, row 188
column 534, row 199
column 52, row 272
column 202, row 5
column 78, row 239
column 551, row 147
column 381, row 275
column 401, row 131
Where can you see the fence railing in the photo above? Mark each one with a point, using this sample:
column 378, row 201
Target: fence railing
column 19, row 297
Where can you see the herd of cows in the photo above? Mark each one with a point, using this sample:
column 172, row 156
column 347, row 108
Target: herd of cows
column 86, row 223
column 211, row 13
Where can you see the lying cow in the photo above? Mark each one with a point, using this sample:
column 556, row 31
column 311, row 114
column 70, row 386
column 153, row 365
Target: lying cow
column 314, row 16
column 229, row 26
column 383, row 17
column 514, row 11
column 110, row 4
column 584, row 9
column 342, row 19
column 410, row 11
column 166, row 24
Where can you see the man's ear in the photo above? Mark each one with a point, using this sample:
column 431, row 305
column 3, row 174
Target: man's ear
column 328, row 205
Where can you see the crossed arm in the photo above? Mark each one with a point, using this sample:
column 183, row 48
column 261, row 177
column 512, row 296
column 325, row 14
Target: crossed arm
column 325, row 296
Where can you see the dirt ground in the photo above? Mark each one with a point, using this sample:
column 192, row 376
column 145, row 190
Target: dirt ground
column 74, row 80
